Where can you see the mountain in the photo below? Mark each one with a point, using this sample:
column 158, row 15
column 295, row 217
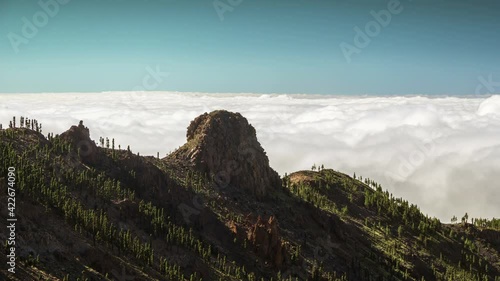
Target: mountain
column 215, row 210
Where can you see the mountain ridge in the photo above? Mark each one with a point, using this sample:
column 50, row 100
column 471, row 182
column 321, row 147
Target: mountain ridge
column 110, row 213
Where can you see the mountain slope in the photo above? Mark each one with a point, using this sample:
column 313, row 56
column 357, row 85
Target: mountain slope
column 215, row 210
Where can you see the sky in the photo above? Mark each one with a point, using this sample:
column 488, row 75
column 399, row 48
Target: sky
column 340, row 47
column 442, row 154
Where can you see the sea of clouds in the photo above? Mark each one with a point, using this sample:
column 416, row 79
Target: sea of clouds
column 442, row 153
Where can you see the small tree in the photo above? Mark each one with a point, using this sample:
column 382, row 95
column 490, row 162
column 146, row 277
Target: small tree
column 465, row 218
column 400, row 231
column 344, row 210
column 454, row 219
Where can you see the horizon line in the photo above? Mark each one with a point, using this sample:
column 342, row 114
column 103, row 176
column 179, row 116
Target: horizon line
column 332, row 95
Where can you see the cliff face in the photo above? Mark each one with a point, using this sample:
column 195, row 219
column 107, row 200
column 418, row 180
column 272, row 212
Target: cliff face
column 225, row 146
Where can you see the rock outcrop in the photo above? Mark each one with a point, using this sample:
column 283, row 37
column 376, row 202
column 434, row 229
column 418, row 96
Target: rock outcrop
column 224, row 145
column 264, row 236
column 79, row 138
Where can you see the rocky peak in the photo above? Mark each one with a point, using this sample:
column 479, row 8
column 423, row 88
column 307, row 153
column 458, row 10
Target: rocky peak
column 224, row 145
column 79, row 138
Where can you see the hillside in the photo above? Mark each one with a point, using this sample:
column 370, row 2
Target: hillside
column 215, row 210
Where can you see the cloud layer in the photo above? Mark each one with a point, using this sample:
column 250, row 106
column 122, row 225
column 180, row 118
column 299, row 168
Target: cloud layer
column 440, row 153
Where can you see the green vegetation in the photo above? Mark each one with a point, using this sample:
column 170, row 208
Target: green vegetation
column 168, row 221
column 398, row 231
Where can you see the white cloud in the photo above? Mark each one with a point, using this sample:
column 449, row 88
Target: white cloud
column 441, row 153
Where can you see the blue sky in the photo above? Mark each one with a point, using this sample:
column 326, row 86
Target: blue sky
column 429, row 47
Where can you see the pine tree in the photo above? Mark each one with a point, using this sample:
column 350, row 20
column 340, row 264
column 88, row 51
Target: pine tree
column 465, row 218
column 454, row 219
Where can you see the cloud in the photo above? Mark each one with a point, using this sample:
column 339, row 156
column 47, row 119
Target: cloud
column 441, row 153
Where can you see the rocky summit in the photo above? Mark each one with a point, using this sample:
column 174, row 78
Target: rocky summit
column 224, row 145
column 79, row 138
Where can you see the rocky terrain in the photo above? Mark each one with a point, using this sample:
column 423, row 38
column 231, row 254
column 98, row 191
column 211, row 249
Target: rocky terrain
column 224, row 146
column 215, row 210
